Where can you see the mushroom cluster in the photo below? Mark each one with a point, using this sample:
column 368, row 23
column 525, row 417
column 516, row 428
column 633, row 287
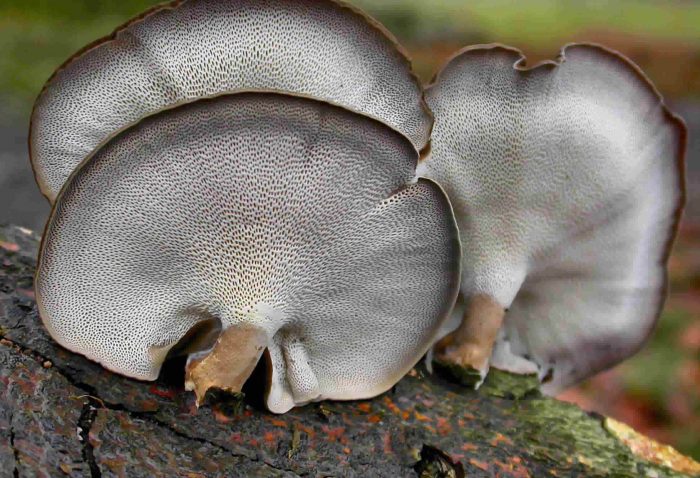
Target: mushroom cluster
column 233, row 179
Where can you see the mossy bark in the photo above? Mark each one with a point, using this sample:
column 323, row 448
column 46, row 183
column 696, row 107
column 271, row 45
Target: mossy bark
column 62, row 415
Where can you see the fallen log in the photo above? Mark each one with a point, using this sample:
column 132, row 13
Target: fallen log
column 62, row 415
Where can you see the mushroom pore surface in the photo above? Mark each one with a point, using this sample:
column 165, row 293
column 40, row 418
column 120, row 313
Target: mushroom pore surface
column 186, row 50
column 567, row 185
column 289, row 216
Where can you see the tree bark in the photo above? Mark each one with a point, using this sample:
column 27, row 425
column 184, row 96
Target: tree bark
column 62, row 415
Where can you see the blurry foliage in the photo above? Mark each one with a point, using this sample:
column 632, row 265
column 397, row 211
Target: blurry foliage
column 663, row 37
column 38, row 35
column 652, row 379
column 537, row 23
column 665, row 376
column 658, row 391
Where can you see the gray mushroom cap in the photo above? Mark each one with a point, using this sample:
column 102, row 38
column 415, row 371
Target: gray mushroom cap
column 567, row 185
column 185, row 50
column 281, row 222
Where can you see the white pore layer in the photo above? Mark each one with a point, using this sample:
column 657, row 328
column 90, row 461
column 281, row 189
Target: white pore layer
column 566, row 184
column 197, row 48
column 285, row 213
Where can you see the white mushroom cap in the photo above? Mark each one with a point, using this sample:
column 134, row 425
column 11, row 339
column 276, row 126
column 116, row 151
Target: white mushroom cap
column 567, row 185
column 191, row 49
column 293, row 223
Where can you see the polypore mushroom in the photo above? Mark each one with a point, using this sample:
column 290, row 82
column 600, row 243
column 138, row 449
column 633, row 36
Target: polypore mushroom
column 186, row 50
column 248, row 222
column 567, row 185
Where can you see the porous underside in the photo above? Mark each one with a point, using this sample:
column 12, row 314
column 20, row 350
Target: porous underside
column 282, row 213
column 567, row 185
column 191, row 49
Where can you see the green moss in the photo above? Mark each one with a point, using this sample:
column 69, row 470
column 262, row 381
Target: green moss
column 561, row 432
column 503, row 384
column 227, row 403
column 550, row 430
column 465, row 376
column 296, row 443
column 498, row 383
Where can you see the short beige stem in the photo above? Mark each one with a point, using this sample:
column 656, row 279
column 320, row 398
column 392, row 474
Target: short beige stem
column 230, row 362
column 471, row 344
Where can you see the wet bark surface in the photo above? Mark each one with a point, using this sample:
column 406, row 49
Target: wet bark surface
column 62, row 415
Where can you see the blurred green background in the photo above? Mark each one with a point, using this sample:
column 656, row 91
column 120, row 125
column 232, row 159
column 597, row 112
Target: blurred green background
column 37, row 35
column 658, row 391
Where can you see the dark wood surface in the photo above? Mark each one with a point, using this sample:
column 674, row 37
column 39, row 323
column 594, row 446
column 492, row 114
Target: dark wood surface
column 62, row 415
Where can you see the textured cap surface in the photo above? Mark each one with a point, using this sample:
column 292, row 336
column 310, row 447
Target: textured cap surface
column 282, row 213
column 195, row 48
column 567, row 185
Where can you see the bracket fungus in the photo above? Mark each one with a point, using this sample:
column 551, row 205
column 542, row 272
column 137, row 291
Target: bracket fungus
column 189, row 49
column 234, row 177
column 567, row 185
column 262, row 221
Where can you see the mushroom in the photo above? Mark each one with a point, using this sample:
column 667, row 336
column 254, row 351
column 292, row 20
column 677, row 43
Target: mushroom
column 567, row 185
column 250, row 222
column 186, row 50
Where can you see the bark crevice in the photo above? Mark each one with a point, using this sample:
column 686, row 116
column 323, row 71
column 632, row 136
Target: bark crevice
column 87, row 417
column 15, row 451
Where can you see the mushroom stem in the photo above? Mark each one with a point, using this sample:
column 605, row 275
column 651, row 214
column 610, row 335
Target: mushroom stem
column 471, row 344
column 229, row 363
